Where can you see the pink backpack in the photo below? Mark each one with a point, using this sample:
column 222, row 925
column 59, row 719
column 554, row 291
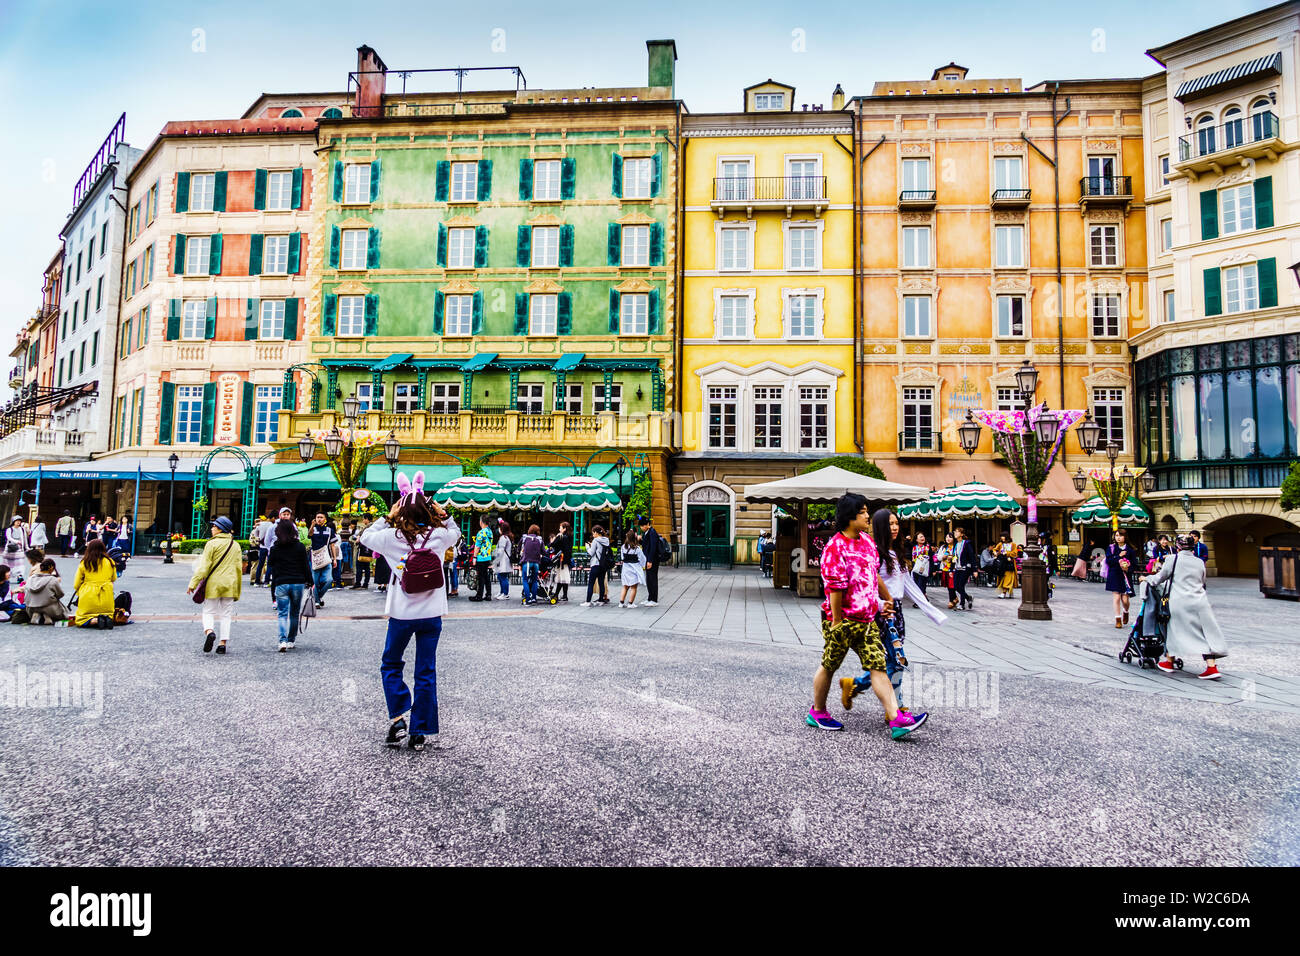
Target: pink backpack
column 422, row 570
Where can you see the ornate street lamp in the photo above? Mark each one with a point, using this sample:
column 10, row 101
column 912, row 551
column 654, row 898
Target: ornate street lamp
column 620, row 466
column 1186, row 502
column 1148, row 481
column 1027, row 381
column 1089, row 433
column 334, row 443
column 968, row 433
column 1080, row 480
column 350, row 407
column 1047, row 427
column 306, row 448
column 392, row 452
column 172, row 461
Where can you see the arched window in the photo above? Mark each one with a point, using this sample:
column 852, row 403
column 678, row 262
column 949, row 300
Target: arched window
column 1232, row 127
column 1263, row 124
column 332, row 113
column 1205, row 135
column 290, row 113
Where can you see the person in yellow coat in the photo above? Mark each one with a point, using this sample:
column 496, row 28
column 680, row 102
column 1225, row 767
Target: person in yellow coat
column 221, row 565
column 93, row 586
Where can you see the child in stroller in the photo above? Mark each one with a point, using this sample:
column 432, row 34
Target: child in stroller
column 547, row 576
column 1146, row 640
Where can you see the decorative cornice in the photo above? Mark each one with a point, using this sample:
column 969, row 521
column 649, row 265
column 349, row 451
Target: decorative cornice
column 637, row 217
column 965, row 349
column 354, row 222
column 351, row 287
column 546, row 286
column 459, row 287
column 546, row 219
column 633, row 285
column 919, row 375
column 460, row 222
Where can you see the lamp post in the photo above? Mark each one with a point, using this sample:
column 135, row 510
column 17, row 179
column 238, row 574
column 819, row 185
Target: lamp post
column 1186, row 502
column 1115, row 489
column 392, row 451
column 172, row 462
column 621, row 466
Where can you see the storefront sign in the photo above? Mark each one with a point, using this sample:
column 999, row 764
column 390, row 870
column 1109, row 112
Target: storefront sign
column 226, row 430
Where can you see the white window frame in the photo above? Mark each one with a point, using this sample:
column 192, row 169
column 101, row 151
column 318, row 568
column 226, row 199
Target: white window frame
column 1162, row 169
column 910, row 241
column 546, row 188
column 351, row 307
column 997, row 316
column 802, row 226
column 924, row 438
column 365, row 392
column 406, row 397
column 749, row 296
column 279, row 198
column 628, row 313
column 356, row 184
column 543, row 324
column 462, row 185
column 1110, row 254
column 1241, row 201
column 736, row 187
column 637, row 186
column 189, row 415
column 907, row 174
column 459, row 309
column 1002, row 167
column 774, row 435
column 267, row 402
column 728, row 396
column 1170, row 311
column 530, row 398
column 270, row 319
column 1111, row 398
column 194, row 258
column 279, row 266
column 615, row 397
column 571, row 403
column 766, row 102
column 354, row 245
column 544, row 247
column 720, row 228
column 1167, row 234
column 460, row 253
column 1093, row 299
column 1007, row 399
column 634, row 250
column 1014, row 257
column 194, row 319
column 929, row 331
column 818, row 314
column 441, row 396
column 1245, row 278
column 203, row 189
column 811, row 186
column 826, row 401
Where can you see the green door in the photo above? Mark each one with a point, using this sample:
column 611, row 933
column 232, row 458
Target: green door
column 708, row 535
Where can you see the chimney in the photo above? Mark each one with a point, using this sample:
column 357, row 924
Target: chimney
column 372, row 78
column 663, row 65
column 837, row 98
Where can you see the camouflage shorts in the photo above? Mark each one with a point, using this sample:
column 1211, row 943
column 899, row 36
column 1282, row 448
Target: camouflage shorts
column 861, row 637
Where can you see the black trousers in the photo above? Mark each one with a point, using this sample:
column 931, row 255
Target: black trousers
column 363, row 573
column 652, row 583
column 382, row 571
column 484, row 574
column 959, row 579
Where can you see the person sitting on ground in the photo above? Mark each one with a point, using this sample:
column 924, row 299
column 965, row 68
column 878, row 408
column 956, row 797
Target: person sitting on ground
column 93, row 586
column 45, row 594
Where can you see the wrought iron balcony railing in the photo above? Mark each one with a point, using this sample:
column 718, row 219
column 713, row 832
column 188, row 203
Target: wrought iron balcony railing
column 1106, row 187
column 773, row 189
column 1234, row 134
column 917, row 197
column 924, row 441
column 1010, row 197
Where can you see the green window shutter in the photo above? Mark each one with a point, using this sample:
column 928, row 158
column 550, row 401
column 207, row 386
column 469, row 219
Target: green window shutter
column 173, row 320
column 484, row 180
column 523, row 251
column 219, row 192
column 568, row 178
column 613, row 311
column 618, row 176
column 480, row 247
column 209, row 413
column 372, row 314
column 439, row 307
column 255, row 243
column 374, row 180
column 442, row 245
column 328, row 316
column 1209, row 214
column 178, row 265
column 1213, row 293
column 525, row 179
column 476, row 326
column 214, row 256
column 1267, row 283
column 334, row 247
column 295, row 200
column 338, row 180
column 182, row 192
column 564, row 314
column 656, row 244
column 291, row 320
column 295, row 252
column 654, row 320
column 210, row 325
column 614, row 248
column 1264, row 202
column 246, row 416
column 521, row 313
column 566, row 246
column 166, row 413
column 656, row 174
column 441, row 180
column 259, row 189
column 372, row 249
column 251, row 313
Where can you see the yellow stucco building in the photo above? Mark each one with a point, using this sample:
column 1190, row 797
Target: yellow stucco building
column 766, row 366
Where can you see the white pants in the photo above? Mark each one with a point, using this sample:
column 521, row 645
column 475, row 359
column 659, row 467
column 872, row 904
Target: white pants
column 223, row 608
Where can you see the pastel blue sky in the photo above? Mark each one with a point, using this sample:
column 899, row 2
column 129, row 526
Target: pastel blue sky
column 67, row 70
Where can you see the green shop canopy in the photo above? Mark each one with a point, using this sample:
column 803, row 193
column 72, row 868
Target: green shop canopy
column 394, row 360
column 1094, row 511
column 479, row 362
column 568, row 361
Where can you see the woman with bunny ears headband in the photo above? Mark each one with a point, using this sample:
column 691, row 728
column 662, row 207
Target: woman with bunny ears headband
column 412, row 523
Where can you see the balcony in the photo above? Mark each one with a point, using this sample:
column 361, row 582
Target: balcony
column 1009, row 198
column 42, row 443
column 1105, row 191
column 920, row 444
column 916, row 199
column 769, row 192
column 1211, row 149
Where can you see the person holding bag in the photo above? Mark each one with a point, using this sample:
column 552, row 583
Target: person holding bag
column 502, row 565
column 1121, row 562
column 1193, row 628
column 321, row 543
column 216, row 583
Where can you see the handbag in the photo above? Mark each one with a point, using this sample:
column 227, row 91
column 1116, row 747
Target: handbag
column 306, row 612
column 1162, row 606
column 201, row 592
column 1080, row 569
column 320, row 558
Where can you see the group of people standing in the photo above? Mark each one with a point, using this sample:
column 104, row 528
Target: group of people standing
column 953, row 562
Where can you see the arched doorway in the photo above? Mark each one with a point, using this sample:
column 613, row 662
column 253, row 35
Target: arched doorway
column 709, row 526
column 1236, row 540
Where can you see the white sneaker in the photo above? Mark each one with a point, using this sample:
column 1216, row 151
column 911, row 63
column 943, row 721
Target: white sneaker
column 621, row 604
column 502, row 597
column 586, row 604
column 650, row 604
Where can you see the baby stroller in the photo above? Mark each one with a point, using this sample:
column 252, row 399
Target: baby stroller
column 546, row 576
column 1147, row 639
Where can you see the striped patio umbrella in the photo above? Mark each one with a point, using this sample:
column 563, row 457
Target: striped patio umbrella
column 971, row 500
column 528, row 494
column 473, row 493
column 1094, row 511
column 579, row 493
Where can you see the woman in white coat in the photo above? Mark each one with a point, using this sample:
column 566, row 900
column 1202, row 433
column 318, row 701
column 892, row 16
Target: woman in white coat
column 1193, row 628
column 501, row 564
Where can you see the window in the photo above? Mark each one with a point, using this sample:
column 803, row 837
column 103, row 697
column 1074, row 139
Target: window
column 194, row 319
column 202, row 191
column 529, row 399
column 1232, row 127
column 916, row 175
column 801, row 248
column 722, row 416
column 1010, row 246
column 546, row 179
column 1104, row 245
column 1170, row 314
column 94, row 350
column 636, row 178
column 103, row 240
column 60, row 372
column 916, row 247
column 356, row 183
column 572, row 402
column 1205, row 135
column 634, row 316
column 459, row 315
column 279, row 190
column 636, row 245
column 1108, row 412
column 1105, row 316
column 546, row 247
column 370, row 395
column 1101, row 176
column 733, row 317
column 406, row 397
column 734, row 180
column 271, row 324
column 769, row 101
column 189, row 414
column 1241, row 284
column 460, row 248
column 198, row 252
column 151, row 205
column 802, row 179
column 916, row 315
column 1008, row 172
column 615, row 398
column 90, row 250
column 918, row 417
column 275, row 254
column 352, row 314
column 768, row 418
column 1164, row 170
column 444, row 398
column 734, row 248
column 814, row 417
column 1007, row 399
column 75, row 307
column 801, row 316
column 464, row 182
column 353, row 249
column 1011, row 315
column 541, row 315
column 291, row 114
column 1166, row 235
column 1237, row 205
column 1262, row 122
column 266, row 420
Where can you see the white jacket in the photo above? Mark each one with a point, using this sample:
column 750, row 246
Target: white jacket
column 382, row 538
column 501, row 563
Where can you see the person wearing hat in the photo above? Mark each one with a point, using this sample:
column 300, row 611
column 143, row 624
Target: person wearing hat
column 16, row 541
column 219, row 565
column 654, row 548
column 1193, row 628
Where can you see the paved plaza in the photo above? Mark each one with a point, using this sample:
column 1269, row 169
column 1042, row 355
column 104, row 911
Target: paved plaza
column 652, row 735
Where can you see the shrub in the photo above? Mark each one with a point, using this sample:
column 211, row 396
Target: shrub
column 1291, row 488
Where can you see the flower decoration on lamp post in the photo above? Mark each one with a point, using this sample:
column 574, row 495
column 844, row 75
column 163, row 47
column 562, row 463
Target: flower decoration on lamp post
column 1112, row 488
column 348, row 451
